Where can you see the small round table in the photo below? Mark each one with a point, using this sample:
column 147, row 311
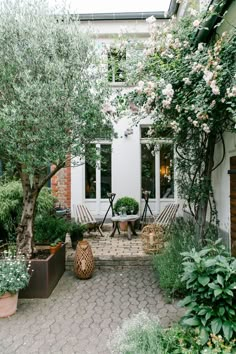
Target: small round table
column 130, row 219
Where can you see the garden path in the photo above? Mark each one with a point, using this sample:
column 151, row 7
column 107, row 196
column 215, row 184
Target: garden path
column 79, row 316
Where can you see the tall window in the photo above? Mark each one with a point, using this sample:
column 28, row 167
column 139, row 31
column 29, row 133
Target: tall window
column 157, row 155
column 90, row 173
column 105, row 153
column 148, row 170
column 116, row 63
column 166, row 171
column 98, row 173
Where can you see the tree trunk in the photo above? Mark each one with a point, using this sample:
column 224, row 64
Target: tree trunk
column 202, row 209
column 25, row 227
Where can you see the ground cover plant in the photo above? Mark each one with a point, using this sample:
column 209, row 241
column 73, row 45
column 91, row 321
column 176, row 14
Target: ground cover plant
column 51, row 98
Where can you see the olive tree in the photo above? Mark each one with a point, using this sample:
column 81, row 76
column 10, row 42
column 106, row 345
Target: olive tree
column 51, row 98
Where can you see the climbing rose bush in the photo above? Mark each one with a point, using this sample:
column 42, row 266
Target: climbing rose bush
column 189, row 90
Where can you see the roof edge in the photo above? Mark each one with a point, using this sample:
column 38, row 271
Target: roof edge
column 118, row 16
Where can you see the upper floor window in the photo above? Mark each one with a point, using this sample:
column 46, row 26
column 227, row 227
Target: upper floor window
column 116, row 65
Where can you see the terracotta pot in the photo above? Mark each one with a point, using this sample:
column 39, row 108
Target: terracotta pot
column 123, row 225
column 8, row 304
column 59, row 245
column 84, row 261
column 53, row 249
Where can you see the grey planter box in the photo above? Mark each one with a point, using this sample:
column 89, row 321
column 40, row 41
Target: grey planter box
column 45, row 276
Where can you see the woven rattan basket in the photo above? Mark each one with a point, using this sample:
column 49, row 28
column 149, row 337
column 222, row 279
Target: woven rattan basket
column 84, row 261
column 153, row 238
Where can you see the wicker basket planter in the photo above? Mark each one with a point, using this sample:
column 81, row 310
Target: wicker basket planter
column 153, row 238
column 84, row 261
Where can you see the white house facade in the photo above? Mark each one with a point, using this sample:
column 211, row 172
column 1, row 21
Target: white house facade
column 129, row 164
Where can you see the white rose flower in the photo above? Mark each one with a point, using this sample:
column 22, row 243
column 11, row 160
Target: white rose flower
column 196, row 23
column 151, row 20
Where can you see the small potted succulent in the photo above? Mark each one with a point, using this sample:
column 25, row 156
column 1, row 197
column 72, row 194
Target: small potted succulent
column 14, row 270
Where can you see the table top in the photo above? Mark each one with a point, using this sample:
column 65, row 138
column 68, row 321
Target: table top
column 131, row 217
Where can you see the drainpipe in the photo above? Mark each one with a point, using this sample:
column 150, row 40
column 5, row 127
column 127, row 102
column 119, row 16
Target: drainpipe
column 204, row 35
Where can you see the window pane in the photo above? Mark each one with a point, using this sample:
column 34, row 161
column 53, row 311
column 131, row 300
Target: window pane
column 166, row 171
column 105, row 170
column 148, row 170
column 90, row 173
column 116, row 62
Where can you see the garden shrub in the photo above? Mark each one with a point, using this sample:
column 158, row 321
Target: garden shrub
column 210, row 279
column 48, row 228
column 11, row 201
column 130, row 205
column 142, row 334
column 181, row 236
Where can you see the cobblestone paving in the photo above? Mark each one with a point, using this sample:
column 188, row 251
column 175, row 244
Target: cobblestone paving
column 119, row 245
column 80, row 315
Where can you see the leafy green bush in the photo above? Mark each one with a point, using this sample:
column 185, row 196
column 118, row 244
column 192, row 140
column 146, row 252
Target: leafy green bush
column 210, row 278
column 49, row 228
column 11, row 201
column 130, row 205
column 181, row 236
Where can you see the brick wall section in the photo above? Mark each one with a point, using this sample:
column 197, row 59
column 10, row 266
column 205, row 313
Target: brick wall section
column 61, row 186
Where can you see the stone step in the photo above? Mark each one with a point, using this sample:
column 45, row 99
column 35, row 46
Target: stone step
column 117, row 262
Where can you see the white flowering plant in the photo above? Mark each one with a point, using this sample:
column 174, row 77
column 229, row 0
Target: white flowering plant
column 14, row 272
column 188, row 88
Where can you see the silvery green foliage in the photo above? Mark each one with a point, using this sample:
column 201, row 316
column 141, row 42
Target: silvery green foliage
column 139, row 335
column 50, row 89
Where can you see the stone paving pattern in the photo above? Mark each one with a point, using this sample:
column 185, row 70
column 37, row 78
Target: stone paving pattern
column 80, row 315
column 119, row 245
column 115, row 251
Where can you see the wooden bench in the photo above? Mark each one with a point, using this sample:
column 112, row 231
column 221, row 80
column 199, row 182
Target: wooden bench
column 84, row 217
column 167, row 215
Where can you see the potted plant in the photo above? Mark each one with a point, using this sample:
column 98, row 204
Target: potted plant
column 53, row 248
column 76, row 233
column 47, row 268
column 126, row 206
column 14, row 276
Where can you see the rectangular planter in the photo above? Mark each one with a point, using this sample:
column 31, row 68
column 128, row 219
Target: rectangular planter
column 45, row 276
